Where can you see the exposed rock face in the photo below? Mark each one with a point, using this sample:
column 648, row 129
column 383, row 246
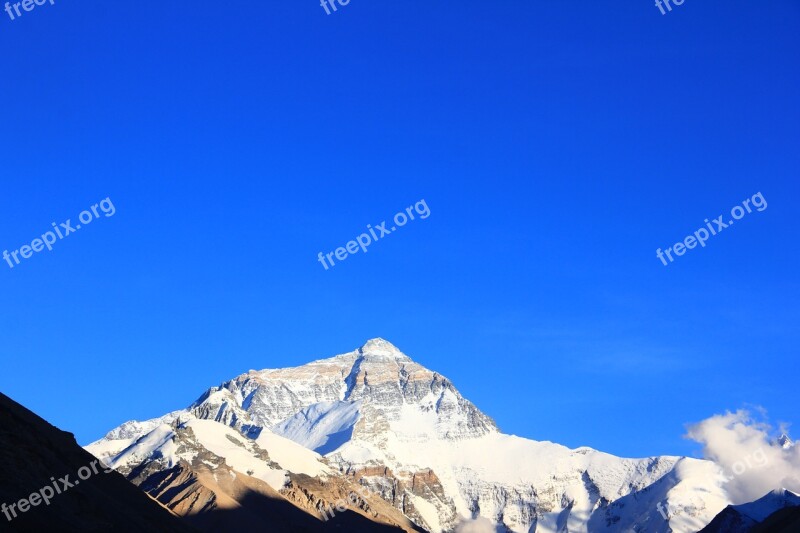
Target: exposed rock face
column 377, row 374
column 178, row 488
column 424, row 486
column 217, row 478
column 325, row 498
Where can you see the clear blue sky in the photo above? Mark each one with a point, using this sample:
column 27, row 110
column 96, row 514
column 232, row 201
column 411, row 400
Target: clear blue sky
column 557, row 144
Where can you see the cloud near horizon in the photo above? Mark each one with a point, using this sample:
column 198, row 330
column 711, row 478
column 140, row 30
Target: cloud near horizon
column 747, row 450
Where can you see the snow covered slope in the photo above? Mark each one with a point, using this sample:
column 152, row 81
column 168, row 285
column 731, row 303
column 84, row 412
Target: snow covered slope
column 405, row 431
column 768, row 504
column 219, row 478
column 322, row 427
column 745, row 517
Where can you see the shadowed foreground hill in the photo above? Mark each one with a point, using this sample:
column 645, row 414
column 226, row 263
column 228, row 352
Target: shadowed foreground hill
column 32, row 452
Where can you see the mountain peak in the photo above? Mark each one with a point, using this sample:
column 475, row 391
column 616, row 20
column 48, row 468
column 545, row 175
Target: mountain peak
column 387, row 423
column 381, row 348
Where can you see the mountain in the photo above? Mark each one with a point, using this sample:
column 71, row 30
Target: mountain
column 768, row 513
column 64, row 487
column 375, row 420
column 218, row 478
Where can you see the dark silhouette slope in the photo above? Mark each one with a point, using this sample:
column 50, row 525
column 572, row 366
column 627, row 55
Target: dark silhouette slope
column 786, row 520
column 32, row 452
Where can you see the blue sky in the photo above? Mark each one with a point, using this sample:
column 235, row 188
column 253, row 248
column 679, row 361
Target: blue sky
column 557, row 145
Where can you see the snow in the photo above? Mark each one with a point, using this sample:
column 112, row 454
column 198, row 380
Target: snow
column 480, row 467
column 104, row 449
column 427, row 511
column 134, row 428
column 768, row 504
column 236, row 450
column 690, row 495
column 161, row 438
column 292, row 456
column 321, row 427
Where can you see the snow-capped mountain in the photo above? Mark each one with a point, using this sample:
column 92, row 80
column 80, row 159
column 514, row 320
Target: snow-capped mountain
column 375, row 418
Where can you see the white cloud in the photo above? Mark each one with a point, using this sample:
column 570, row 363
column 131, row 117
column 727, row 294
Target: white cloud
column 746, row 450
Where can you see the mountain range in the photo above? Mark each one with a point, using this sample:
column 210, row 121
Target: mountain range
column 372, row 440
